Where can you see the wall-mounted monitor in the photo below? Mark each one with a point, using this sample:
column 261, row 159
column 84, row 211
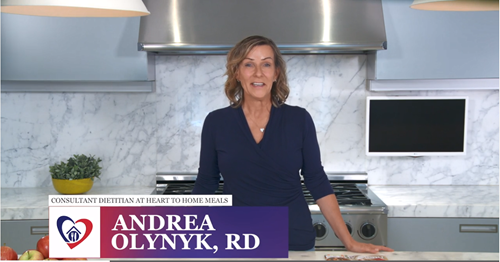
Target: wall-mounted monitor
column 416, row 126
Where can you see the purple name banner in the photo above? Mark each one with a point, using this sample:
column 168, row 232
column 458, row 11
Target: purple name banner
column 193, row 232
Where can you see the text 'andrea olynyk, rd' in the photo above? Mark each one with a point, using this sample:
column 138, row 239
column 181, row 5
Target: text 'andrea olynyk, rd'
column 166, row 232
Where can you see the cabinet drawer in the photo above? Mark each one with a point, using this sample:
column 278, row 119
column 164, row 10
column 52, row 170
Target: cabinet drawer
column 22, row 235
column 443, row 234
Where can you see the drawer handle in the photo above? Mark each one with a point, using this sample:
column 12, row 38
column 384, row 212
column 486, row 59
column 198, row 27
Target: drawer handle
column 39, row 230
column 478, row 228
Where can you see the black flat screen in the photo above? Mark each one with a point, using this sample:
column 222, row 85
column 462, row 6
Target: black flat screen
column 420, row 125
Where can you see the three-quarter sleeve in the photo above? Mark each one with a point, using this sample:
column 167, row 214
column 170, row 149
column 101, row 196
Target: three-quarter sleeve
column 312, row 170
column 208, row 177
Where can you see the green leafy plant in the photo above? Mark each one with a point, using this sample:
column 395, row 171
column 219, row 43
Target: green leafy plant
column 77, row 167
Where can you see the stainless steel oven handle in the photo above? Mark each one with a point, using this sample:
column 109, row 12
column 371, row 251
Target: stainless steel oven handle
column 330, row 248
column 363, row 210
column 354, row 210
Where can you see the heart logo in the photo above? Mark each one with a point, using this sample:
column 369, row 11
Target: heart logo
column 72, row 236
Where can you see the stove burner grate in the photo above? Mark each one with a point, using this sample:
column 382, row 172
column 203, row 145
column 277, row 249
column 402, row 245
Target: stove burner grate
column 347, row 194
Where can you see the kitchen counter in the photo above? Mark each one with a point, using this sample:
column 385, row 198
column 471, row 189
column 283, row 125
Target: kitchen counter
column 320, row 256
column 402, row 201
column 32, row 203
column 439, row 201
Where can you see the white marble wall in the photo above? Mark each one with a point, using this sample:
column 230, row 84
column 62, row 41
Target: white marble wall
column 332, row 89
column 139, row 134
column 40, row 129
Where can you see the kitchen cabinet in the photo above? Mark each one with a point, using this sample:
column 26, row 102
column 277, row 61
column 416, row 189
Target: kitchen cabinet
column 40, row 50
column 436, row 44
column 443, row 234
column 22, row 235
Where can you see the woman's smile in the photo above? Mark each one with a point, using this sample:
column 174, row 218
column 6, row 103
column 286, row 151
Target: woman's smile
column 258, row 84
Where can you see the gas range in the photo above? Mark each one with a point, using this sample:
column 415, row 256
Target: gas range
column 364, row 213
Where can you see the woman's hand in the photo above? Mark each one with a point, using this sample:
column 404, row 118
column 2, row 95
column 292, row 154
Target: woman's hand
column 330, row 208
column 366, row 248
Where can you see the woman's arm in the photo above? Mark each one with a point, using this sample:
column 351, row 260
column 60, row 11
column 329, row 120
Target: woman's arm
column 317, row 182
column 331, row 211
column 208, row 177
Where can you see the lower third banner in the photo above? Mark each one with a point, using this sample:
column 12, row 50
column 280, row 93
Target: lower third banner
column 173, row 232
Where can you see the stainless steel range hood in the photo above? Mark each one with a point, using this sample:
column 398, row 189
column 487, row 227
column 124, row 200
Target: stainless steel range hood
column 177, row 27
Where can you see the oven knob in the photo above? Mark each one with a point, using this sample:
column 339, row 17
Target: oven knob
column 349, row 228
column 320, row 230
column 368, row 231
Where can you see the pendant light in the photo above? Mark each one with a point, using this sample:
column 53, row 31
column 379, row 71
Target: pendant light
column 456, row 5
column 76, row 8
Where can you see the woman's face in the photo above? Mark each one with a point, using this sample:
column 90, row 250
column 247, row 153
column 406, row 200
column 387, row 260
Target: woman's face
column 257, row 73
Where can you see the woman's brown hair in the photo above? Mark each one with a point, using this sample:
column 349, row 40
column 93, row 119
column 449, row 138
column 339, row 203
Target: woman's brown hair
column 234, row 90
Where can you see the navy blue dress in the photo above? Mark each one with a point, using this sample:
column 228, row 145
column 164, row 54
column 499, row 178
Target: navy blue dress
column 265, row 173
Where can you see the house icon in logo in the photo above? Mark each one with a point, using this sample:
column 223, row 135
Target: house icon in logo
column 73, row 234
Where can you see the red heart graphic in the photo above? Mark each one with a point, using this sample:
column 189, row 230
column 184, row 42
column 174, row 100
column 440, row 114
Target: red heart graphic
column 88, row 229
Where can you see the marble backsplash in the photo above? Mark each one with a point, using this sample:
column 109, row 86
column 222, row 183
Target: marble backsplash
column 138, row 134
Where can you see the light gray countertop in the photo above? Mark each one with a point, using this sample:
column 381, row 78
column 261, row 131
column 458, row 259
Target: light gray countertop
column 320, row 256
column 402, row 201
column 439, row 201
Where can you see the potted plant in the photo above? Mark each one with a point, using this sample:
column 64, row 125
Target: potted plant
column 75, row 176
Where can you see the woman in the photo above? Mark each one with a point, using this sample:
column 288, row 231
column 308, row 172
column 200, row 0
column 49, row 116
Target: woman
column 259, row 144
